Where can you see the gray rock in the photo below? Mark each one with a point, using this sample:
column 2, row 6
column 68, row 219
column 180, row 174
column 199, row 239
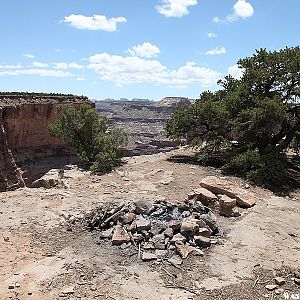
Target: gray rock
column 202, row 241
column 142, row 224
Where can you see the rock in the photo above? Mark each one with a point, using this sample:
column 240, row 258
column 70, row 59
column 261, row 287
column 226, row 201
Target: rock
column 200, row 208
column 202, row 241
column 46, row 183
column 169, row 232
column 178, row 238
column 184, row 250
column 297, row 281
column 143, row 207
column 175, row 260
column 146, row 256
column 175, row 224
column 128, row 218
column 161, row 253
column 226, row 202
column 210, row 220
column 142, row 224
column 205, row 232
column 216, row 185
column 206, row 197
column 68, row 290
column 11, row 286
column 279, row 280
column 149, row 246
column 159, row 241
column 138, row 237
column 197, row 252
column 189, row 227
column 120, row 236
column 131, row 227
column 279, row 291
column 271, row 287
column 106, row 234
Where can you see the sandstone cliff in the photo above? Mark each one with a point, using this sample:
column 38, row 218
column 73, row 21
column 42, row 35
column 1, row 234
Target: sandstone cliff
column 24, row 132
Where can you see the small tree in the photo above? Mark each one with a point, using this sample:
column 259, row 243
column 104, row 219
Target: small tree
column 87, row 132
column 252, row 121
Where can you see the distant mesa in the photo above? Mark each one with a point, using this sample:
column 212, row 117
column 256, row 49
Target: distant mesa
column 174, row 101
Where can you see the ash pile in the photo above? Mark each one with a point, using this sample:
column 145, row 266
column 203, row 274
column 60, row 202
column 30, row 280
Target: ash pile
column 158, row 229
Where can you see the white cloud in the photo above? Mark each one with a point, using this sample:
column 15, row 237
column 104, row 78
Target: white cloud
column 175, row 8
column 216, row 51
column 211, row 35
column 242, row 9
column 80, row 78
column 18, row 66
column 235, row 71
column 129, row 70
column 64, row 66
column 39, row 64
column 146, row 50
column 39, row 72
column 96, row 22
column 28, row 55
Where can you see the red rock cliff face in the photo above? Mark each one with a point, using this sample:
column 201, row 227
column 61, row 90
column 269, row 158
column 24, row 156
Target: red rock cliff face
column 10, row 175
column 24, row 136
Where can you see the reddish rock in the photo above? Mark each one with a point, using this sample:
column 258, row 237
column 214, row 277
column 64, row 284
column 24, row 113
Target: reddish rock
column 206, row 232
column 189, row 227
column 142, row 224
column 128, row 218
column 120, row 236
column 216, row 185
column 185, row 250
column 146, row 256
column 169, row 232
column 178, row 238
column 206, row 197
column 175, row 224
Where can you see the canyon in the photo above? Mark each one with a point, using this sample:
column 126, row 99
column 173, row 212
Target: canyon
column 24, row 136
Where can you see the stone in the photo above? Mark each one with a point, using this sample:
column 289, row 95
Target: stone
column 197, row 252
column 202, row 241
column 131, row 227
column 206, row 197
column 175, row 224
column 226, row 202
column 184, row 250
column 243, row 197
column 178, row 238
column 169, row 232
column 279, row 291
column 128, row 218
column 143, row 207
column 297, row 281
column 147, row 256
column 120, row 236
column 106, row 234
column 159, row 241
column 142, row 224
column 68, row 290
column 206, row 232
column 271, row 287
column 11, row 286
column 138, row 237
column 46, row 183
column 175, row 260
column 161, row 253
column 279, row 280
column 210, row 220
column 149, row 246
column 189, row 227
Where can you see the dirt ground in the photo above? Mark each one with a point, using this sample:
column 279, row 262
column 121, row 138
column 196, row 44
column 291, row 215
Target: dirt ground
column 43, row 255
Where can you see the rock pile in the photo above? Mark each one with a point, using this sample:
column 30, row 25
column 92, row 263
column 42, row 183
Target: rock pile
column 157, row 228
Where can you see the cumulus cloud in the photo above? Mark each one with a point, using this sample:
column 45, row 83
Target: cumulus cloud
column 235, row 71
column 96, row 22
column 28, row 55
column 211, row 35
column 64, row 66
column 39, row 64
column 216, row 51
column 175, row 8
column 39, row 72
column 242, row 9
column 146, row 50
column 80, row 78
column 18, row 66
column 128, row 70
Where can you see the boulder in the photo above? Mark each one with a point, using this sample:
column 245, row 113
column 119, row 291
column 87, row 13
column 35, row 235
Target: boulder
column 244, row 198
column 120, row 236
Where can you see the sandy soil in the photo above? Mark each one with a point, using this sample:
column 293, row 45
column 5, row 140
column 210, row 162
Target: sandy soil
column 45, row 256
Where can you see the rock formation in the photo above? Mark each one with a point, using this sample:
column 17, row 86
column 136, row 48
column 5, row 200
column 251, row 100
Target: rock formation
column 24, row 132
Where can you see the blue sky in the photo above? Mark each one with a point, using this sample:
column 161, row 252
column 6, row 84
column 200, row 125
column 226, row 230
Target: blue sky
column 136, row 48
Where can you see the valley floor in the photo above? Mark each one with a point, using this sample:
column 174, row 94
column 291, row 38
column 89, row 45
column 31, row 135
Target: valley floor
column 43, row 256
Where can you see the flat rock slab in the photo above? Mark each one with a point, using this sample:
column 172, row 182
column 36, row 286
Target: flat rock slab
column 225, row 187
column 120, row 236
